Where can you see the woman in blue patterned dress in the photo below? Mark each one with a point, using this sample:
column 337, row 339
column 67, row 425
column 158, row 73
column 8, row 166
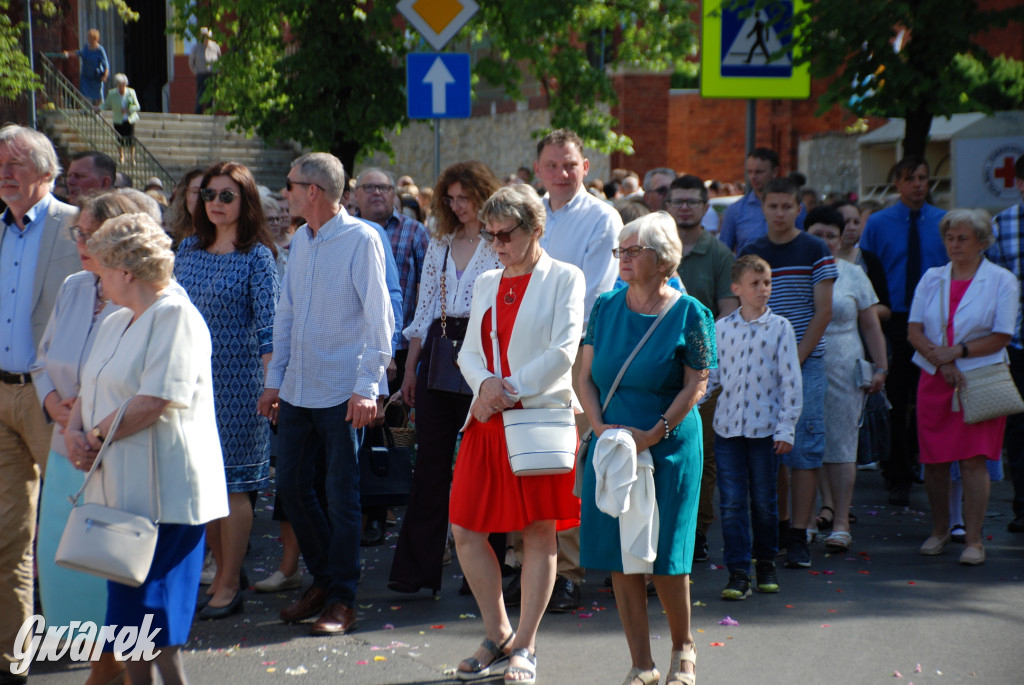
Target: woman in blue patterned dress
column 228, row 269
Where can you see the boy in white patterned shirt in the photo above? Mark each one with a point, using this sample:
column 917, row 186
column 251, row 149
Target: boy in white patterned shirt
column 755, row 423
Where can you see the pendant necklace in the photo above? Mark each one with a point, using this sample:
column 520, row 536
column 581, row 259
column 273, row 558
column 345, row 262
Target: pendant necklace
column 510, row 296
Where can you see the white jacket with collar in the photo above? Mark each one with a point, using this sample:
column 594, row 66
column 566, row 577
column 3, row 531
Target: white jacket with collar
column 989, row 306
column 545, row 338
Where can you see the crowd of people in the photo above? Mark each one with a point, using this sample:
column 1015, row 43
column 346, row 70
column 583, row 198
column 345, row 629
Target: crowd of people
column 196, row 341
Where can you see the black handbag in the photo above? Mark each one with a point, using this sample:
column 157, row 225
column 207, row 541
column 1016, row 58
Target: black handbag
column 443, row 374
column 385, row 470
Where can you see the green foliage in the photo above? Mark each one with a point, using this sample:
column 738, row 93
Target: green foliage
column 852, row 45
column 996, row 84
column 18, row 77
column 340, row 84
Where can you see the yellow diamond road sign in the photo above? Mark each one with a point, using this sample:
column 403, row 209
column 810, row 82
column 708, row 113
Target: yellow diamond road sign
column 438, row 20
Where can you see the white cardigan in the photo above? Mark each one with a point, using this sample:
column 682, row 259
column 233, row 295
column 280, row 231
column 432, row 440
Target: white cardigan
column 990, row 305
column 545, row 338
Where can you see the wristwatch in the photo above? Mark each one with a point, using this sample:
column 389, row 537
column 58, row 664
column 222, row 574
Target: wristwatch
column 96, row 434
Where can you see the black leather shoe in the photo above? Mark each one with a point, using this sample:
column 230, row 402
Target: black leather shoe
column 1016, row 525
column 235, row 606
column 566, row 596
column 373, row 534
column 900, row 496
column 700, row 547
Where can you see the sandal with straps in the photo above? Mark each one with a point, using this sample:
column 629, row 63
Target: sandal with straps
column 649, row 677
column 680, row 657
column 530, row 673
column 478, row 670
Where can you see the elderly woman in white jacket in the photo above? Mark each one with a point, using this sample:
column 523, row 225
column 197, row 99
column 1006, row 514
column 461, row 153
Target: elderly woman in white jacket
column 962, row 316
column 538, row 306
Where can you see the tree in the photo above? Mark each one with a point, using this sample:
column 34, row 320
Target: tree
column 331, row 74
column 904, row 59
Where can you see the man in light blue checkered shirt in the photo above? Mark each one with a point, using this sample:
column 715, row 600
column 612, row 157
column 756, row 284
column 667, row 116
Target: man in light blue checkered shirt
column 332, row 344
column 1008, row 252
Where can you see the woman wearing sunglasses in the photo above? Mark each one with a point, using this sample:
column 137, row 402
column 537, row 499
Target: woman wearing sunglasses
column 229, row 272
column 535, row 303
column 455, row 257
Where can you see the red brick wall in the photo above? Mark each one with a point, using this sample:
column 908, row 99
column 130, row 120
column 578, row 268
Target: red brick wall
column 183, row 88
column 1007, row 41
column 643, row 114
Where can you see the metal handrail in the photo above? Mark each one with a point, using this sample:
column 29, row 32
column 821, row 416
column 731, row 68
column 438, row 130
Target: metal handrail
column 62, row 96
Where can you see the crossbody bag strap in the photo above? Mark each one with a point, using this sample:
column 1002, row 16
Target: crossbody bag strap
column 153, row 476
column 103, row 448
column 444, row 292
column 632, row 355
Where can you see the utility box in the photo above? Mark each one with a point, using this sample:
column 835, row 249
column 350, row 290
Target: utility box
column 971, row 157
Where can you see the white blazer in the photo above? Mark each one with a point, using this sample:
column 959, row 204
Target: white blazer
column 545, row 338
column 990, row 305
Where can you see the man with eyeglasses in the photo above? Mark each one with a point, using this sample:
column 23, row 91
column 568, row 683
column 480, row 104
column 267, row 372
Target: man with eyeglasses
column 407, row 239
column 36, row 254
column 656, row 182
column 332, row 344
column 706, row 270
column 582, row 231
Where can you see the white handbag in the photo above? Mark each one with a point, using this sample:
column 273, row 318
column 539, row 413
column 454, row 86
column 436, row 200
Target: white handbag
column 107, row 542
column 988, row 392
column 541, row 442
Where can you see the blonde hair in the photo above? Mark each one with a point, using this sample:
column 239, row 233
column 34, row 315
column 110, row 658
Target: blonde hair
column 658, row 231
column 135, row 243
column 520, row 203
column 977, row 219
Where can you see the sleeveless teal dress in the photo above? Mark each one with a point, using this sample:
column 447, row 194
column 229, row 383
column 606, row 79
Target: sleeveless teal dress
column 686, row 337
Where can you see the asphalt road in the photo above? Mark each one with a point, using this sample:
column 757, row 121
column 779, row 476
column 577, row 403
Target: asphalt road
column 879, row 614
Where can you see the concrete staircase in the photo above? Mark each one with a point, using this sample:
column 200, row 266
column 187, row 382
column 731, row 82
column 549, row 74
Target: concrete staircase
column 180, row 141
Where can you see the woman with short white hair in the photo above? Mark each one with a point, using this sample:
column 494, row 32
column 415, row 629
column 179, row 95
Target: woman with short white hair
column 656, row 402
column 124, row 106
column 152, row 357
column 962, row 317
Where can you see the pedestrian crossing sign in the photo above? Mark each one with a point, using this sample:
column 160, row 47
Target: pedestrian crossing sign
column 743, row 51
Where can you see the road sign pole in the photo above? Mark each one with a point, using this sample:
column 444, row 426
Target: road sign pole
column 437, row 149
column 751, row 126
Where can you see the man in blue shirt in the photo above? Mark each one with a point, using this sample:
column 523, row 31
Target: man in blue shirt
column 36, row 255
column 1008, row 252
column 744, row 220
column 906, row 238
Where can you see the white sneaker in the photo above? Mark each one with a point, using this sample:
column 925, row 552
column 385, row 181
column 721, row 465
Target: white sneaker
column 209, row 569
column 278, row 581
column 873, row 466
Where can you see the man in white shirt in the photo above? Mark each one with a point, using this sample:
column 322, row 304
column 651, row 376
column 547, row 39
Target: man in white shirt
column 204, row 55
column 332, row 344
column 583, row 231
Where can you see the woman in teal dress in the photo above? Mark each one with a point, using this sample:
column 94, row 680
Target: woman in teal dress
column 655, row 401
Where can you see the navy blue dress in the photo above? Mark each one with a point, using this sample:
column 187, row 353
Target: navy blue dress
column 236, row 293
column 94, row 66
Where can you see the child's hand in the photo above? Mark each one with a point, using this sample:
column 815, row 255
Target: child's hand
column 782, row 447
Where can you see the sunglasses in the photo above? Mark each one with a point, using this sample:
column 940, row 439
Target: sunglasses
column 631, row 252
column 504, row 237
column 225, row 196
column 288, row 183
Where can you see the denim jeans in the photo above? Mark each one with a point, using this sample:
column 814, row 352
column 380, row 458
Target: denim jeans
column 747, row 467
column 809, row 447
column 329, row 540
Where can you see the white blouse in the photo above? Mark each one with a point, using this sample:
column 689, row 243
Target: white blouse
column 459, row 290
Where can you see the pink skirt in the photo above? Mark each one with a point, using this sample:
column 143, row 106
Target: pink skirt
column 942, row 434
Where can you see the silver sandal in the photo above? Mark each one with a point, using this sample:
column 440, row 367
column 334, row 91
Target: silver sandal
column 479, row 671
column 531, row 673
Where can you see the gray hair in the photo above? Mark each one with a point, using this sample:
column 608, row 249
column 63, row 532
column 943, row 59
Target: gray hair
column 146, row 203
column 378, row 170
column 977, row 219
column 657, row 230
column 325, row 170
column 135, row 243
column 38, row 146
column 120, row 80
column 519, row 202
column 649, row 176
column 112, row 203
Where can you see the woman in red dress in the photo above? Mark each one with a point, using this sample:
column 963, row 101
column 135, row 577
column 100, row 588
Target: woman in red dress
column 538, row 303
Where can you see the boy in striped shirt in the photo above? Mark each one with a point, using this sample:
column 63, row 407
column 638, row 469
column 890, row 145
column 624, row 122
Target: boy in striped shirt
column 803, row 272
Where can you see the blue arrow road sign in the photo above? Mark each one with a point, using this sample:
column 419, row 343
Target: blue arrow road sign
column 438, row 85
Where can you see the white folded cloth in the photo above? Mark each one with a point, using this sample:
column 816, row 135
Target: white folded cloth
column 625, row 490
